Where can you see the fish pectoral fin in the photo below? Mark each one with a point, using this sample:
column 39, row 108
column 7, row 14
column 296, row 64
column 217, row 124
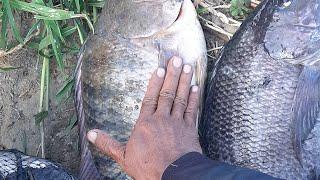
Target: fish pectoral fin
column 317, row 173
column 306, row 107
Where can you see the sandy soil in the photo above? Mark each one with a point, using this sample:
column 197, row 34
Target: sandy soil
column 19, row 97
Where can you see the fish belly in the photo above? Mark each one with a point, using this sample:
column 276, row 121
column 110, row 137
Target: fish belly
column 115, row 76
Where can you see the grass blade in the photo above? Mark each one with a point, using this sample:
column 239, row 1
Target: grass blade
column 44, row 43
column 8, row 68
column 95, row 3
column 95, row 15
column 31, row 30
column 44, row 100
column 55, row 46
column 81, row 31
column 40, row 117
column 8, row 11
column 3, row 38
column 65, row 90
column 42, row 11
column 72, row 123
column 47, row 13
column 77, row 2
column 56, row 30
column 68, row 31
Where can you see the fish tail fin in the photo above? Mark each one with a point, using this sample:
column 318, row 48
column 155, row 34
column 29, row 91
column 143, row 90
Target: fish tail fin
column 315, row 174
column 88, row 170
column 306, row 107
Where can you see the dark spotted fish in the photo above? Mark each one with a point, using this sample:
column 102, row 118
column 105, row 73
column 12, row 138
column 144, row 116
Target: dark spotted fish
column 262, row 104
column 132, row 39
column 15, row 165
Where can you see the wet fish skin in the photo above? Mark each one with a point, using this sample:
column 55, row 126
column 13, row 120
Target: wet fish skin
column 133, row 38
column 16, row 165
column 262, row 101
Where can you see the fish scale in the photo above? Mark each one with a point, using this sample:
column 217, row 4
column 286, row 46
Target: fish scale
column 16, row 165
column 111, row 106
column 255, row 98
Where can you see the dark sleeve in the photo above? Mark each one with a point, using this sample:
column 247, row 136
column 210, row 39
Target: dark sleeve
column 195, row 166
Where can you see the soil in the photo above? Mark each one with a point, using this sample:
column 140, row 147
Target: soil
column 19, row 101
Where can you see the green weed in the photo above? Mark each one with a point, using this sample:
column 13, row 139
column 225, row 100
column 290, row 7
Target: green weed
column 240, row 8
column 56, row 24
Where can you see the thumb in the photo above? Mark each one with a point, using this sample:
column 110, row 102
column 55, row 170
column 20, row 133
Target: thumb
column 107, row 145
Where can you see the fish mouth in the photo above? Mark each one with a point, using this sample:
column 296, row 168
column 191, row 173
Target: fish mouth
column 187, row 10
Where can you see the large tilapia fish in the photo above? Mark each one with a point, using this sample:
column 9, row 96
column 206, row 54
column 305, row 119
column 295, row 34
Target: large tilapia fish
column 132, row 39
column 263, row 98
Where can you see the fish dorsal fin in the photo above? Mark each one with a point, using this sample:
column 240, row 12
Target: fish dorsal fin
column 306, row 107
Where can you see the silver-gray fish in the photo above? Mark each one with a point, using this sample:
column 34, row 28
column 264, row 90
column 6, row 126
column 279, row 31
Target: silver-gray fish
column 132, row 39
column 262, row 103
column 14, row 165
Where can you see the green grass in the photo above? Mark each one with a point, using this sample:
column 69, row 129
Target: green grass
column 56, row 24
column 240, row 8
column 8, row 68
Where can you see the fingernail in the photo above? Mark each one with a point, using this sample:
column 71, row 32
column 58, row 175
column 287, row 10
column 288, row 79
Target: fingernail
column 161, row 72
column 187, row 69
column 195, row 89
column 177, row 62
column 92, row 136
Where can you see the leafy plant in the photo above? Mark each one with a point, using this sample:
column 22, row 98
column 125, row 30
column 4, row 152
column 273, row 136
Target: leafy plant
column 240, row 8
column 202, row 10
column 56, row 25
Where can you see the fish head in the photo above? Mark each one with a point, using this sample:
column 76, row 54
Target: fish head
column 294, row 32
column 138, row 18
column 184, row 38
column 163, row 27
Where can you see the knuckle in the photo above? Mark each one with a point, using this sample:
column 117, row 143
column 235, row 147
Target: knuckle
column 189, row 114
column 160, row 115
column 150, row 101
column 193, row 103
column 177, row 116
column 190, row 110
column 167, row 94
column 173, row 72
column 180, row 101
column 105, row 147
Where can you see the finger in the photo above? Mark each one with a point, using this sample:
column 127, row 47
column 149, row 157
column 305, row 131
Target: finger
column 191, row 113
column 107, row 145
column 150, row 101
column 181, row 100
column 169, row 88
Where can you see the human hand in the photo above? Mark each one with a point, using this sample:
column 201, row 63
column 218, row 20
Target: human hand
column 166, row 128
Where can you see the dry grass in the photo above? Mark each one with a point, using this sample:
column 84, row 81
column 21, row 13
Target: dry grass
column 218, row 23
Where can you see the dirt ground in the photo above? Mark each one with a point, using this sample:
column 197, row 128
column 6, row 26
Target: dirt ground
column 19, row 100
column 212, row 38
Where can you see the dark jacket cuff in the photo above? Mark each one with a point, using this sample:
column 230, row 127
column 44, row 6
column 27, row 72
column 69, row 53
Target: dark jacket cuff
column 197, row 166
